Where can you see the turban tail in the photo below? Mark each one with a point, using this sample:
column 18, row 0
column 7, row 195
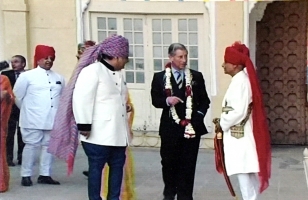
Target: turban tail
column 238, row 54
column 42, row 51
column 64, row 136
column 83, row 46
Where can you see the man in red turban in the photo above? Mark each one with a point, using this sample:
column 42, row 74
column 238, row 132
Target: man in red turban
column 246, row 136
column 37, row 93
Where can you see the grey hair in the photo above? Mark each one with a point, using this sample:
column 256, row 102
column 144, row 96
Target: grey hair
column 174, row 47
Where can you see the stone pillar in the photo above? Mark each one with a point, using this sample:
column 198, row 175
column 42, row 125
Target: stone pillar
column 15, row 28
column 305, row 153
column 229, row 28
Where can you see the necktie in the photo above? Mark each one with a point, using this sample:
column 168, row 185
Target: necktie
column 17, row 74
column 178, row 77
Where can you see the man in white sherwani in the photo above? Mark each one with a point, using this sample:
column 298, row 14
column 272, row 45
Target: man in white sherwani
column 246, row 136
column 99, row 107
column 37, row 93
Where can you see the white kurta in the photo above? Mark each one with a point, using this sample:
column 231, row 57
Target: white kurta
column 37, row 94
column 99, row 98
column 240, row 154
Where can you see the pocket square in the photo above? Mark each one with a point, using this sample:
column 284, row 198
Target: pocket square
column 58, row 82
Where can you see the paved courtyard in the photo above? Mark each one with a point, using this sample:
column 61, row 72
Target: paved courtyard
column 287, row 182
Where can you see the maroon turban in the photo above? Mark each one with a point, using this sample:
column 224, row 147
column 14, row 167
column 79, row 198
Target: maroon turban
column 238, row 54
column 89, row 43
column 42, row 51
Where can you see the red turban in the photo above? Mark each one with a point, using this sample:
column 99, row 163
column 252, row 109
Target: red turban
column 89, row 43
column 238, row 54
column 42, row 51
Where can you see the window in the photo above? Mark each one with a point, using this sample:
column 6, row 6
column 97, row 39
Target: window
column 133, row 31
column 149, row 38
column 106, row 27
column 164, row 33
column 161, row 39
column 188, row 35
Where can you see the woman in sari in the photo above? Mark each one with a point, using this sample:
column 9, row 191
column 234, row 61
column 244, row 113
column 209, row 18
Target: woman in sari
column 6, row 99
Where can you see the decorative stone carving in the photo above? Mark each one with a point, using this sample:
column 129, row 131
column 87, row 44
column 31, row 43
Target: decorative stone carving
column 84, row 5
column 305, row 161
column 258, row 8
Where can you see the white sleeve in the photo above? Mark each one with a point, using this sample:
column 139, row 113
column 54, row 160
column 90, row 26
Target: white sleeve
column 239, row 100
column 20, row 89
column 84, row 96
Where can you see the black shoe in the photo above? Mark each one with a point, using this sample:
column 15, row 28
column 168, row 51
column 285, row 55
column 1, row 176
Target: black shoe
column 10, row 163
column 86, row 173
column 19, row 162
column 26, row 181
column 47, row 180
column 168, row 198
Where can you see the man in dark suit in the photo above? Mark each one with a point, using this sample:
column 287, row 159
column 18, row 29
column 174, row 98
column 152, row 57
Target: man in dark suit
column 18, row 64
column 180, row 129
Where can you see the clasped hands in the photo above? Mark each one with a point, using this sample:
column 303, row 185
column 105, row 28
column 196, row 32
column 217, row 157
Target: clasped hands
column 173, row 100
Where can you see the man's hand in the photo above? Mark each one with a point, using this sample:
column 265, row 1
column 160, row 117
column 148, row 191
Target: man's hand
column 85, row 133
column 174, row 100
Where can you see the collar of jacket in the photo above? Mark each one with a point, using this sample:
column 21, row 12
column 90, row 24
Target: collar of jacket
column 110, row 67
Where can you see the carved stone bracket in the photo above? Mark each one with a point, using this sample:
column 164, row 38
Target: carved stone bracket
column 84, row 5
column 258, row 8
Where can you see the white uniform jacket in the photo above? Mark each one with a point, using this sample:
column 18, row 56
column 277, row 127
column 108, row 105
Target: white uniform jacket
column 99, row 102
column 37, row 94
column 240, row 154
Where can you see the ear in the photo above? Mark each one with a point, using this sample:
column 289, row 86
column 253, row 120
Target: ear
column 170, row 58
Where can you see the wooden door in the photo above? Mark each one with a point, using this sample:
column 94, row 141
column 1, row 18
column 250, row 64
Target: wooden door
column 281, row 63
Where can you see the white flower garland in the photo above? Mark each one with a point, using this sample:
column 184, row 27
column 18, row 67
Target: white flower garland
column 189, row 130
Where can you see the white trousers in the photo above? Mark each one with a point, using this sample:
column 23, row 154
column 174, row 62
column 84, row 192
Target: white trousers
column 35, row 140
column 249, row 185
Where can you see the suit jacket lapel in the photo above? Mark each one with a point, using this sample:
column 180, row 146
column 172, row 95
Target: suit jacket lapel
column 12, row 78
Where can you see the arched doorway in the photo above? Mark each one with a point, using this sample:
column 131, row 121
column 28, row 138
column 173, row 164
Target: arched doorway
column 281, row 59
